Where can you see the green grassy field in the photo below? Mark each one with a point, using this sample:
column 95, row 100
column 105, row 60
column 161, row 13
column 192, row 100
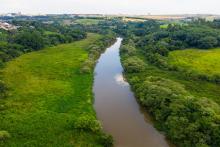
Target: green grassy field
column 199, row 61
column 164, row 26
column 47, row 94
column 88, row 21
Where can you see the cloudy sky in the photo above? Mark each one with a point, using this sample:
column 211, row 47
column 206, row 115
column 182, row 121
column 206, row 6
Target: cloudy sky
column 111, row 6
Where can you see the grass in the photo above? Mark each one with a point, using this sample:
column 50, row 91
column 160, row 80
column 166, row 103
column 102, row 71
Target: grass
column 197, row 88
column 199, row 61
column 50, row 33
column 130, row 19
column 46, row 95
column 88, row 21
column 164, row 26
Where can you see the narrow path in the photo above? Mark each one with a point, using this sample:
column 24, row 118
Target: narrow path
column 117, row 107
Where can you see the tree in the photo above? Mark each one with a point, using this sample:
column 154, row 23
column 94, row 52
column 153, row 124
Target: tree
column 134, row 65
column 208, row 42
column 33, row 39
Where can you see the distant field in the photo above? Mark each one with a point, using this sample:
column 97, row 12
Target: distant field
column 134, row 19
column 164, row 26
column 200, row 61
column 47, row 94
column 88, row 21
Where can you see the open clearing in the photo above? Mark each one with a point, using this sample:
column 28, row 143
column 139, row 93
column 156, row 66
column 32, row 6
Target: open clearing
column 199, row 61
column 88, row 21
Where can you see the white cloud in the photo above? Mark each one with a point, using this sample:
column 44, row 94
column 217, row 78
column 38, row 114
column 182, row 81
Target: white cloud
column 120, row 80
column 111, row 6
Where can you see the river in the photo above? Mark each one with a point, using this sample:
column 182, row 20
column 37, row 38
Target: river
column 117, row 108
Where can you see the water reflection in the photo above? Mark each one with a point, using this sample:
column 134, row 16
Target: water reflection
column 117, row 107
column 120, row 80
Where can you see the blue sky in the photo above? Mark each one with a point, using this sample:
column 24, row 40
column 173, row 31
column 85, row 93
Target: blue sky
column 111, row 6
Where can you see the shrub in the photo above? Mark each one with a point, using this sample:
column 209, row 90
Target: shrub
column 87, row 66
column 128, row 50
column 216, row 79
column 85, row 70
column 3, row 89
column 157, row 60
column 14, row 53
column 2, row 105
column 208, row 42
column 4, row 135
column 33, row 40
column 188, row 121
column 4, row 57
column 106, row 140
column 87, row 123
column 134, row 65
column 1, row 63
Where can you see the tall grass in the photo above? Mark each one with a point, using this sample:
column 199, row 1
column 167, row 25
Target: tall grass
column 47, row 95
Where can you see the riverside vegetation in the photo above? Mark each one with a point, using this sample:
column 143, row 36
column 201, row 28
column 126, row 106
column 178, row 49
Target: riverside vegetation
column 46, row 97
column 179, row 87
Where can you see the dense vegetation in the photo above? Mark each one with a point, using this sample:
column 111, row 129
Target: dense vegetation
column 157, row 44
column 46, row 98
column 32, row 36
column 50, row 101
column 183, row 100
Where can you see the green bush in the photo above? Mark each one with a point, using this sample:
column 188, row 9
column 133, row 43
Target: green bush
column 94, row 52
column 3, row 89
column 4, row 135
column 88, row 123
column 85, row 70
column 1, row 63
column 28, row 39
column 134, row 65
column 87, row 66
column 106, row 140
column 157, row 60
column 128, row 50
column 187, row 121
column 4, row 57
column 208, row 42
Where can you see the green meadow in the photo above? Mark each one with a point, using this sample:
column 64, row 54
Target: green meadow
column 47, row 95
column 88, row 21
column 199, row 61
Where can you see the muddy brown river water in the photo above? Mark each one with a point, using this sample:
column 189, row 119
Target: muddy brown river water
column 117, row 108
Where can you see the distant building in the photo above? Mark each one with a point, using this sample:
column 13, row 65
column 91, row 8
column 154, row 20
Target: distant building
column 7, row 26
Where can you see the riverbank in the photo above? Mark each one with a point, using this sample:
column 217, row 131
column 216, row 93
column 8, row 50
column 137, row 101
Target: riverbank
column 181, row 107
column 50, row 101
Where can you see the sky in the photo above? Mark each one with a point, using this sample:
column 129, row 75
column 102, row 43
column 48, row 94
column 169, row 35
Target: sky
column 111, row 6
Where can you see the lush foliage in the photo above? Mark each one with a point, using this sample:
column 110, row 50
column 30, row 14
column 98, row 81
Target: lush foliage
column 49, row 101
column 3, row 89
column 4, row 135
column 188, row 121
column 133, row 65
column 94, row 52
column 178, row 88
column 33, row 35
